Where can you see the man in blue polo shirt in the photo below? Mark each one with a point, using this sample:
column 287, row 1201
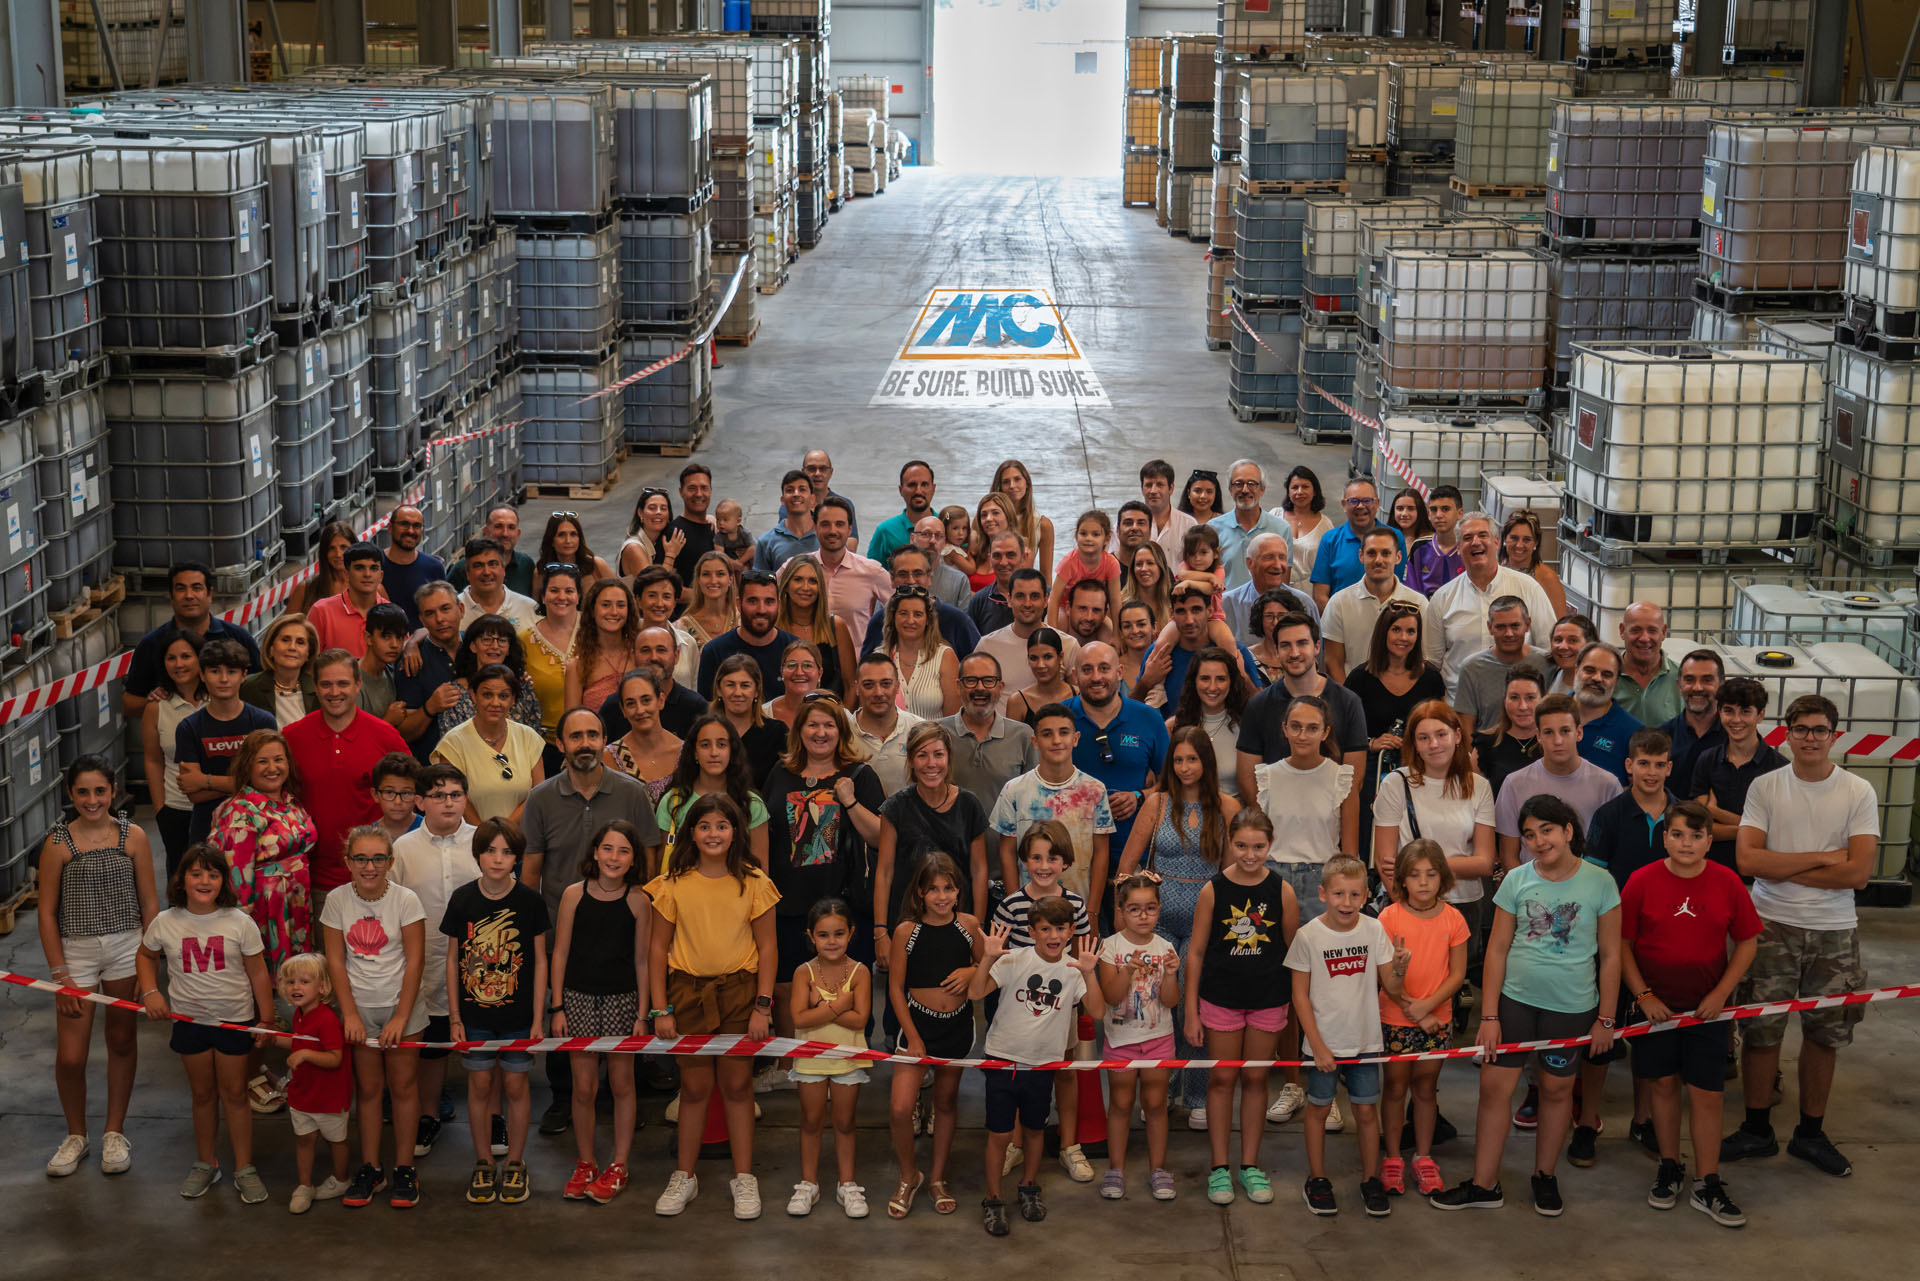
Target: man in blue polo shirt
column 1123, row 743
column 1337, row 563
column 1604, row 729
column 1697, row 727
column 190, row 590
column 432, row 689
column 1166, row 666
column 895, row 532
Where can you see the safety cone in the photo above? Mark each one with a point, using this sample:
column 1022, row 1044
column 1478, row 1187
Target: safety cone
column 1092, row 1111
column 713, row 1141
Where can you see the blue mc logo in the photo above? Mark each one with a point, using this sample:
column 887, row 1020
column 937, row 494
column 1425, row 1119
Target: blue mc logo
column 990, row 318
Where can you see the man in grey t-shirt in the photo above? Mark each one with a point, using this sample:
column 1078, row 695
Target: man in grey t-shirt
column 1482, row 686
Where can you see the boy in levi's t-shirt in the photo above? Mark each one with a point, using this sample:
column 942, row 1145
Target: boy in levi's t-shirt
column 1339, row 961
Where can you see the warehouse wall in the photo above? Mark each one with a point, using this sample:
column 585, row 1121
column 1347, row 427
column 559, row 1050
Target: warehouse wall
column 891, row 38
column 1166, row 17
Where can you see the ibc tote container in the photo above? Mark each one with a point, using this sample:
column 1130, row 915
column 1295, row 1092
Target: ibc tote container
column 666, row 266
column 571, row 436
column 392, row 347
column 728, row 72
column 1628, row 29
column 673, row 406
column 1267, row 236
column 1611, row 299
column 1619, row 170
column 1220, row 326
column 661, row 139
column 1773, row 613
column 349, row 401
column 1501, row 132
column 1376, row 238
column 303, row 440
column 1776, row 194
column 1261, row 28
column 63, row 247
column 30, row 780
column 1693, row 444
column 396, row 142
column 1463, row 320
column 1192, row 66
column 1293, row 128
column 23, row 575
column 1774, row 87
column 1698, row 596
column 16, row 308
column 91, row 724
column 1329, row 355
column 1331, row 243
column 1458, row 451
column 1768, row 26
column 1872, row 458
column 76, row 508
column 1883, row 241
column 1263, row 374
column 554, row 154
column 569, row 294
column 1423, row 106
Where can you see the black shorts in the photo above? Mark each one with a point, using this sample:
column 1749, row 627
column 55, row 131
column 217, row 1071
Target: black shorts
column 197, row 1038
column 439, row 1028
column 945, row 1035
column 1522, row 1022
column 1627, row 1014
column 1018, row 1094
column 1697, row 1055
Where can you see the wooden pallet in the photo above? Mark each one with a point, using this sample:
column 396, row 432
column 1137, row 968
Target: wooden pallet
column 740, row 340
column 678, row 449
column 772, row 287
column 99, row 599
column 1366, row 155
column 1494, row 190
column 591, row 493
column 1303, row 187
column 24, row 900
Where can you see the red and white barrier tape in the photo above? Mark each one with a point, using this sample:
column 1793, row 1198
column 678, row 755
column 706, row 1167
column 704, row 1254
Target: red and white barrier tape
column 116, row 1003
column 1882, row 746
column 734, row 1045
column 713, row 327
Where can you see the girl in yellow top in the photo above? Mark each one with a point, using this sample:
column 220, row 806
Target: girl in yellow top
column 549, row 644
column 832, row 1000
column 711, row 968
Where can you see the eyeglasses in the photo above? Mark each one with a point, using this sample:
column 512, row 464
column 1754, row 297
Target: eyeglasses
column 388, row 794
column 1140, row 909
column 369, row 860
column 979, row 682
column 1361, row 502
column 1243, row 484
column 1815, row 732
column 448, row 796
column 506, row 766
column 1106, row 748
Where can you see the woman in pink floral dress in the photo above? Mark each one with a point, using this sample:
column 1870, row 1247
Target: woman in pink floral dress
column 268, row 838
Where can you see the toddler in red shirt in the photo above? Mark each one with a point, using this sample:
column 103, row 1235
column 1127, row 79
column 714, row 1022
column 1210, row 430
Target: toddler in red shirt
column 321, row 1088
column 1677, row 918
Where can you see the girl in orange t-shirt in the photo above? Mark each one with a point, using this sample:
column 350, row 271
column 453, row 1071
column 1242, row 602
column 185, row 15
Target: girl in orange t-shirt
column 1421, row 1019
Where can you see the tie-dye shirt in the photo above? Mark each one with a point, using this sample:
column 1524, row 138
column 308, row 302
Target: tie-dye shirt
column 1556, row 936
column 1079, row 804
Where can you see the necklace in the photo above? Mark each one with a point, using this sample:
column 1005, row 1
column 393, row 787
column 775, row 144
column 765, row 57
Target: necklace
column 495, row 744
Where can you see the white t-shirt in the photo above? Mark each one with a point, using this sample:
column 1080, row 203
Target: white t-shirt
column 1456, row 623
column 370, row 931
column 1034, row 1023
column 1139, row 1016
column 1343, row 981
column 206, row 969
column 433, row 867
column 1798, row 815
column 1449, row 820
column 1305, row 808
column 1352, row 612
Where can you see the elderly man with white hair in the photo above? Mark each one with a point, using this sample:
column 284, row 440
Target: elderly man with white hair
column 1246, row 486
column 1269, row 566
column 1649, row 688
column 1457, row 613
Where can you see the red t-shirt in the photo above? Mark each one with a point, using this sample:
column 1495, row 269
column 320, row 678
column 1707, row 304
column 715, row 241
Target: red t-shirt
column 1679, row 928
column 315, row 1089
column 336, row 784
column 339, row 625
column 1072, row 569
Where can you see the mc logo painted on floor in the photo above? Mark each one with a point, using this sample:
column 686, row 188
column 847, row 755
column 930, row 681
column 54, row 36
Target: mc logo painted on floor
column 989, row 348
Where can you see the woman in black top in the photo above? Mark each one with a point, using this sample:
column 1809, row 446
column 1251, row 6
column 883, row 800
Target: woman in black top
column 928, row 814
column 1512, row 743
column 1391, row 683
column 738, row 695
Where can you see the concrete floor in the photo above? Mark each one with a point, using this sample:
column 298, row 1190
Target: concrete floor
column 1134, row 299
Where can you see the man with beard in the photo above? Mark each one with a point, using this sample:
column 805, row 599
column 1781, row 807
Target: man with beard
column 560, row 818
column 988, row 609
column 404, row 568
column 190, row 591
column 756, row 637
column 914, row 568
column 503, row 527
column 895, row 532
column 1604, row 727
column 1027, row 601
column 1456, row 622
column 1166, row 666
column 431, row 690
column 857, row 588
column 880, row 723
column 988, row 749
column 1123, row 742
column 1247, row 483
column 948, row 584
column 333, row 752
column 1087, row 611
column 1697, row 727
column 1132, row 530
column 1649, row 686
column 1263, row 734
column 654, row 647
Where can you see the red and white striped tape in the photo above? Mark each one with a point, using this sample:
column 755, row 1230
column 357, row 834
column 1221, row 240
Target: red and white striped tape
column 1880, row 746
column 734, row 1045
column 116, row 1003
column 713, row 326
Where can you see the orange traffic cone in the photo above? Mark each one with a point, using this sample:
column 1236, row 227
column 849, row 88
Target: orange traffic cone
column 1092, row 1112
column 713, row 1141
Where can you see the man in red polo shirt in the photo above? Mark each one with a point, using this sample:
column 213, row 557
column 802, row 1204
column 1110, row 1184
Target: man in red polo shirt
column 341, row 621
column 335, row 750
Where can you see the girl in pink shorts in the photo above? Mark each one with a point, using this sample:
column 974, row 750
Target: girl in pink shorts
column 1140, row 977
column 1237, row 993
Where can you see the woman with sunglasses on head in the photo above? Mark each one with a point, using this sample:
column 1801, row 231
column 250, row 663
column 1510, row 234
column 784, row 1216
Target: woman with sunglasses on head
column 652, row 537
column 1394, row 679
column 565, row 542
column 1201, row 497
column 929, row 672
column 499, row 756
column 603, row 650
column 1520, row 549
column 647, row 751
column 803, row 612
column 547, row 644
column 491, row 639
column 1305, row 511
column 1014, row 480
column 799, row 678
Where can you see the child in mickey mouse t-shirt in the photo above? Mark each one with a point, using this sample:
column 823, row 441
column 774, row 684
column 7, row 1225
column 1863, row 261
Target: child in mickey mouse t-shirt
column 1039, row 987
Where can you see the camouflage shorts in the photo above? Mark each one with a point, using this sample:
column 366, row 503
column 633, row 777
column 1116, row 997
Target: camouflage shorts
column 1792, row 962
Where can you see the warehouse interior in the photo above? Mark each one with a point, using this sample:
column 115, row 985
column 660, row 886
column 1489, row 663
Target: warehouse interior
column 286, row 265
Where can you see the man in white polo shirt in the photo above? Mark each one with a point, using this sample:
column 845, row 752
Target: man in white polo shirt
column 1457, row 613
column 1808, row 837
column 1346, row 636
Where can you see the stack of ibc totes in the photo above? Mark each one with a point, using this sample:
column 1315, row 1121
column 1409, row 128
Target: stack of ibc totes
column 1622, row 226
column 1293, row 145
column 554, row 175
column 1501, row 148
column 1686, row 463
column 1872, row 456
column 1423, row 113
column 865, row 107
column 1330, row 342
column 1626, row 47
column 663, row 192
column 810, row 195
column 1774, row 212
column 1140, row 122
column 1186, row 125
column 1764, row 38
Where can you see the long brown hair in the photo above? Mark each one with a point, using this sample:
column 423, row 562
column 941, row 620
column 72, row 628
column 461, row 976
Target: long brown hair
column 686, row 856
column 1459, row 780
column 937, row 863
column 1213, row 819
column 586, row 639
column 981, row 541
column 1159, row 597
column 1239, row 689
column 1502, row 726
column 1026, row 515
column 1378, row 659
column 697, row 600
column 819, row 621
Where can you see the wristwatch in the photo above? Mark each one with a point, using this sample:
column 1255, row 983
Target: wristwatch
column 1604, row 1021
column 764, row 1004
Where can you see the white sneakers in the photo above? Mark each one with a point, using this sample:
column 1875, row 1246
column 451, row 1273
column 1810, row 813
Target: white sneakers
column 801, row 1203
column 746, row 1196
column 1286, row 1105
column 853, row 1199
column 116, row 1154
column 1075, row 1162
column 681, row 1188
column 1197, row 1118
column 67, row 1157
column 1334, row 1123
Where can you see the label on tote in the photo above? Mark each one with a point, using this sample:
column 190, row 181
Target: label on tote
column 987, row 348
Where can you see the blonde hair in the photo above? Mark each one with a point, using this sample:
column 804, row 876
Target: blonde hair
column 306, row 965
column 819, row 622
column 1026, row 516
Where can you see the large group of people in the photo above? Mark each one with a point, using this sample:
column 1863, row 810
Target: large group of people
column 1233, row 782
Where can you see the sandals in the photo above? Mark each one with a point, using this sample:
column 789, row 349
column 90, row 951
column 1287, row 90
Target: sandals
column 902, row 1202
column 943, row 1202
column 264, row 1095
